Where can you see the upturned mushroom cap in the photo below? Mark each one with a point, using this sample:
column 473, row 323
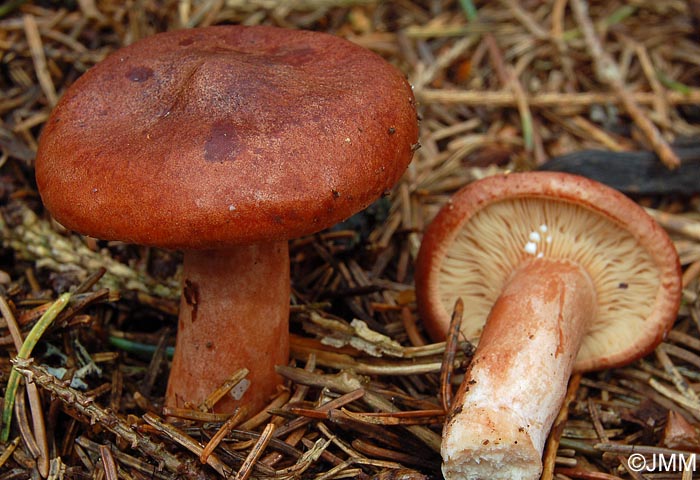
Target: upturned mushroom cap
column 491, row 226
column 226, row 135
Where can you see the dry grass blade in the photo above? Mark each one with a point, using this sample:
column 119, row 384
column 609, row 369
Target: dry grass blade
column 40, row 67
column 214, row 397
column 246, row 469
column 552, row 446
column 264, row 415
column 449, row 356
column 23, row 353
column 418, row 417
column 108, row 463
column 586, row 475
column 320, row 412
column 127, row 461
column 347, row 382
column 181, row 438
column 575, row 100
column 75, row 400
column 39, row 428
column 225, row 429
column 607, row 71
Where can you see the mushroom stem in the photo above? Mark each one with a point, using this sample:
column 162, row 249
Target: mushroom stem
column 234, row 313
column 517, row 379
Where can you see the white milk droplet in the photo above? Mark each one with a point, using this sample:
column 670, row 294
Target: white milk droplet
column 531, row 248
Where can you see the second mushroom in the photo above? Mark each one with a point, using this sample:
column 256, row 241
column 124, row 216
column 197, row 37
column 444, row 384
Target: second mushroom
column 558, row 274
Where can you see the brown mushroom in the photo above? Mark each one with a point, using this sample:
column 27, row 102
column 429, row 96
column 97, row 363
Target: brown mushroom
column 557, row 274
column 225, row 142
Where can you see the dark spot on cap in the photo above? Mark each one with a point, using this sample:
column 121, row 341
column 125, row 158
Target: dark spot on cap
column 392, row 130
column 139, row 74
column 222, row 143
column 623, row 285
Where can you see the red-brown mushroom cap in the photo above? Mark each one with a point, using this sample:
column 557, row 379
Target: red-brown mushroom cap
column 491, row 226
column 226, row 135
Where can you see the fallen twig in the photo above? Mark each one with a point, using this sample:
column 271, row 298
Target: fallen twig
column 73, row 399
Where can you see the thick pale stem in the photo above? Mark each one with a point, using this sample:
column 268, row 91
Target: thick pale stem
column 234, row 313
column 518, row 376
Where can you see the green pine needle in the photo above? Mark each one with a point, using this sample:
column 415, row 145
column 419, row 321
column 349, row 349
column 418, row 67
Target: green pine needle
column 24, row 352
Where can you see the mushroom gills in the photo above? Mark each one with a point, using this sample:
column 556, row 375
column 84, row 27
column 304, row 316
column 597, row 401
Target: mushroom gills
column 500, row 237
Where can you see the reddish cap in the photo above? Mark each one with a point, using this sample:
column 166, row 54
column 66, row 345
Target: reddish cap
column 212, row 137
column 493, row 225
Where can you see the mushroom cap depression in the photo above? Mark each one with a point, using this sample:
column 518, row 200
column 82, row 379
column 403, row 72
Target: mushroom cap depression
column 493, row 225
column 226, row 135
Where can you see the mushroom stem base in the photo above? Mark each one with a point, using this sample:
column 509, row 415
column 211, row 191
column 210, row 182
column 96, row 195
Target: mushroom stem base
column 517, row 379
column 234, row 313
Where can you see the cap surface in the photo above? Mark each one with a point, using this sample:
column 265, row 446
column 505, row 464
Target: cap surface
column 493, row 225
column 225, row 135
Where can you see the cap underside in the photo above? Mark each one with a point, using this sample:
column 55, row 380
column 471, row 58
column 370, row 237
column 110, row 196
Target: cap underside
column 491, row 226
column 506, row 233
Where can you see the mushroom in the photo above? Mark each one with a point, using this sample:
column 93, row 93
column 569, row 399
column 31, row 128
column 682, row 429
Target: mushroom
column 225, row 142
column 557, row 273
